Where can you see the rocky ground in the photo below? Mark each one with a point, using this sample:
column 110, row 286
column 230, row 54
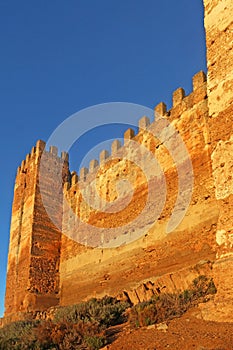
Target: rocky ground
column 189, row 332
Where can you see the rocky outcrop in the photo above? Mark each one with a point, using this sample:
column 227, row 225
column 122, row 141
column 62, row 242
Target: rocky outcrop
column 168, row 283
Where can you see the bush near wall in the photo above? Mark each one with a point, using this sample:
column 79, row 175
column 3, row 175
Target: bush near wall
column 80, row 326
column 83, row 326
column 167, row 305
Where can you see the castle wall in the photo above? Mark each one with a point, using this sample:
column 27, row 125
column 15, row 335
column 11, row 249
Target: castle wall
column 47, row 268
column 86, row 272
column 219, row 41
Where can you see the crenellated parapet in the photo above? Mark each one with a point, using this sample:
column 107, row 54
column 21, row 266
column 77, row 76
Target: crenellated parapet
column 49, row 199
column 181, row 102
column 51, row 259
column 36, row 153
column 131, row 161
column 183, row 107
column 94, row 196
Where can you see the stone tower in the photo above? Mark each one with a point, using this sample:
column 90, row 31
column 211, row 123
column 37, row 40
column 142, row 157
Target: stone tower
column 41, row 262
column 34, row 251
column 219, row 39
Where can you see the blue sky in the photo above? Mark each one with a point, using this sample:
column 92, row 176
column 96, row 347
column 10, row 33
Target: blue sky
column 58, row 57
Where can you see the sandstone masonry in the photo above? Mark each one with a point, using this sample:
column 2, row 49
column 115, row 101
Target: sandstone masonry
column 47, row 267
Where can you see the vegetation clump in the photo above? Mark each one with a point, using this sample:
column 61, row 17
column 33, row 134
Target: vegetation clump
column 84, row 326
column 81, row 326
column 166, row 306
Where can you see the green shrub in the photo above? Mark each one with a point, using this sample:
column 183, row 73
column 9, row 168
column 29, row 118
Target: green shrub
column 94, row 342
column 83, row 326
column 166, row 306
column 106, row 311
column 203, row 286
column 68, row 336
column 80, row 326
column 18, row 335
column 47, row 335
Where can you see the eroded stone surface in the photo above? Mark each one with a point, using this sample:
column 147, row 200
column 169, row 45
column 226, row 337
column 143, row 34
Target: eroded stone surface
column 219, row 39
column 222, row 162
column 47, row 268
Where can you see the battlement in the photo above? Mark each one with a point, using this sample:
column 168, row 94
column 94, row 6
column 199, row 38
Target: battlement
column 36, row 154
column 99, row 179
column 46, row 267
column 181, row 103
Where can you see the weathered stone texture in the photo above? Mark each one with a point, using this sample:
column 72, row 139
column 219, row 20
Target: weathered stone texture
column 168, row 283
column 82, row 271
column 34, row 252
column 59, row 269
column 222, row 162
column 46, row 267
column 219, row 39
